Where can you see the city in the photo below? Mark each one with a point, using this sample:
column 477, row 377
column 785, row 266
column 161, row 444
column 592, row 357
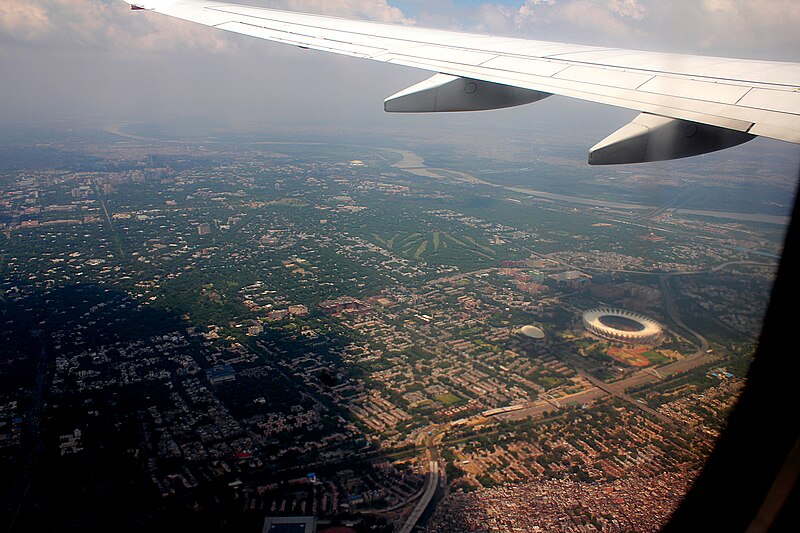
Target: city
column 234, row 329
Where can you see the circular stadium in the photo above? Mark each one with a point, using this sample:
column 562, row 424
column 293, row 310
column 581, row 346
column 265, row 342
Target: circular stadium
column 622, row 326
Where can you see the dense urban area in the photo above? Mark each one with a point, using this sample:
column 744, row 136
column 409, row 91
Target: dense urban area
column 378, row 338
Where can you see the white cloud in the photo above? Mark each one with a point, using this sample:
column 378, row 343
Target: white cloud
column 591, row 19
column 755, row 16
column 720, row 6
column 23, row 20
column 491, row 18
column 724, row 27
column 100, row 24
column 109, row 24
column 378, row 10
column 757, row 28
column 752, row 28
column 628, row 8
column 529, row 7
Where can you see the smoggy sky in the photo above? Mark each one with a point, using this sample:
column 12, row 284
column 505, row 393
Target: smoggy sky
column 95, row 61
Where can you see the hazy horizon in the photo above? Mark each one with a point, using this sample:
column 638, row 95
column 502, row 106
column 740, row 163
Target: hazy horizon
column 96, row 61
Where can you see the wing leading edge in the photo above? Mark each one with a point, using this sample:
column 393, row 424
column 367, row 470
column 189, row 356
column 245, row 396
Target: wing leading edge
column 689, row 104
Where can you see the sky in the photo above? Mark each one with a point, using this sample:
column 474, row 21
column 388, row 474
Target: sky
column 95, row 61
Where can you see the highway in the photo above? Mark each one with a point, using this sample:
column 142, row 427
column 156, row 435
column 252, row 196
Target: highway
column 674, row 315
column 601, row 388
column 431, row 482
column 618, row 391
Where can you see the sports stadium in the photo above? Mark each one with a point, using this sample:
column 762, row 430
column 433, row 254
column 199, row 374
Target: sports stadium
column 622, row 326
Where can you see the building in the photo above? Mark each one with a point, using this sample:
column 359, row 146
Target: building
column 344, row 304
column 531, row 332
column 221, row 374
column 278, row 314
column 204, row 228
column 573, row 279
column 298, row 310
column 71, row 443
column 289, row 524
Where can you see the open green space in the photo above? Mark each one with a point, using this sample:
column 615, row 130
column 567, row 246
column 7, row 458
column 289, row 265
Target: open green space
column 449, row 399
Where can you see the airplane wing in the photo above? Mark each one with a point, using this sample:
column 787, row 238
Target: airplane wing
column 689, row 104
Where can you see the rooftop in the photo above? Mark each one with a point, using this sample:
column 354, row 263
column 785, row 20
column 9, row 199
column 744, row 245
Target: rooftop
column 289, row 524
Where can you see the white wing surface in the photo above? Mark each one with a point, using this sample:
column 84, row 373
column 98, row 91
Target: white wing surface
column 689, row 104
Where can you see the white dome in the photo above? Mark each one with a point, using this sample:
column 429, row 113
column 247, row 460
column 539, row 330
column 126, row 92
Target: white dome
column 532, row 331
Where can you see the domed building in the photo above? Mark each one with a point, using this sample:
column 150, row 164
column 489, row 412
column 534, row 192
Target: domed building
column 532, row 332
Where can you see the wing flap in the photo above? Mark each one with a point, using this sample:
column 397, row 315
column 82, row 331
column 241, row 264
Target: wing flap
column 704, row 91
column 322, row 44
column 450, row 54
column 533, row 67
column 785, row 101
column 607, row 77
column 781, row 127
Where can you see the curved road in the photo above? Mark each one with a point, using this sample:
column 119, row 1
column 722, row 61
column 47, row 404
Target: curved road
column 431, row 482
column 674, row 315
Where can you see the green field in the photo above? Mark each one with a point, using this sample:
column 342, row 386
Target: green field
column 449, row 399
column 656, row 358
column 436, row 245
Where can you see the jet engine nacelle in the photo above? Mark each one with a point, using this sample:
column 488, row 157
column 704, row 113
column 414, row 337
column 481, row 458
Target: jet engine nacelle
column 655, row 138
column 445, row 93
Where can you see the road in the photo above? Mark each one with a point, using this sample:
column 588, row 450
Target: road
column 618, row 390
column 101, row 198
column 642, row 377
column 674, row 315
column 431, row 482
